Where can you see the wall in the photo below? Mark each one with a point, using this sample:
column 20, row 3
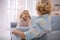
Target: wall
column 4, row 23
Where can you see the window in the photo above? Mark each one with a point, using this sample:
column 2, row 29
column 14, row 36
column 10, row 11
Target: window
column 14, row 9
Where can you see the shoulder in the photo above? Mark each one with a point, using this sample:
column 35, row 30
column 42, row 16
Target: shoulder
column 41, row 22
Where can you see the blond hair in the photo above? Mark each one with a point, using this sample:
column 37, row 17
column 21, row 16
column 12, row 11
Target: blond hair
column 44, row 6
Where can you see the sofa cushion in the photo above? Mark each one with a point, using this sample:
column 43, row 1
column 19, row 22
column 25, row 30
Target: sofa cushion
column 53, row 35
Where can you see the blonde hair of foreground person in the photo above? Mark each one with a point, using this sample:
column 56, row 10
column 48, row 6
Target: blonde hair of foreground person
column 44, row 6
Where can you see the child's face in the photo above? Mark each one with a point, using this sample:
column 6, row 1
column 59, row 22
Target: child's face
column 25, row 15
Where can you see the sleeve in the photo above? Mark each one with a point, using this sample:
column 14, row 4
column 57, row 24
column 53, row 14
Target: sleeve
column 34, row 31
column 29, row 23
column 18, row 24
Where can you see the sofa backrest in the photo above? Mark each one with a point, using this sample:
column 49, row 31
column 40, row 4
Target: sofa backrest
column 55, row 23
column 13, row 24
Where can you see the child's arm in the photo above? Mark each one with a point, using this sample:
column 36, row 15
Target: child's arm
column 20, row 33
column 18, row 25
column 30, row 23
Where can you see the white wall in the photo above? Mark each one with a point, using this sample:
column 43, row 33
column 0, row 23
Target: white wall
column 31, row 7
column 4, row 23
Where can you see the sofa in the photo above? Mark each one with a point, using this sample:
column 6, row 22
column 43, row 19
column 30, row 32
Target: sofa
column 53, row 35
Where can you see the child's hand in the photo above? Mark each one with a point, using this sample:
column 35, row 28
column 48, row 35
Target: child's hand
column 15, row 32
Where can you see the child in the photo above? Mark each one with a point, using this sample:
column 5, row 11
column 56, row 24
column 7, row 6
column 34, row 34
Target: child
column 24, row 23
column 25, row 19
column 41, row 25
